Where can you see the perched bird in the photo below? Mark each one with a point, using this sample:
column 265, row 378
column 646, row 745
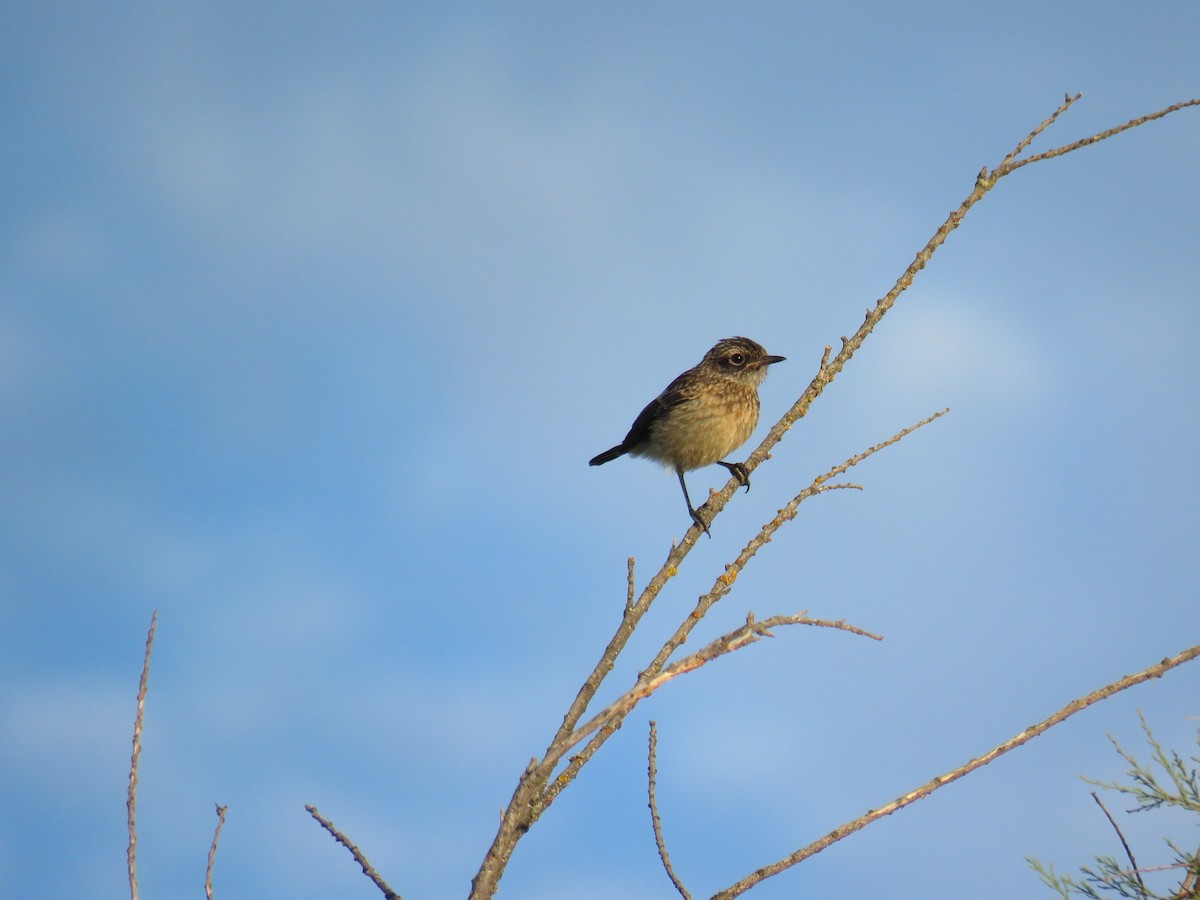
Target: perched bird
column 703, row 415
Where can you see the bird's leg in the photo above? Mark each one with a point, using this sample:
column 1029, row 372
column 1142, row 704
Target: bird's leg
column 738, row 471
column 695, row 515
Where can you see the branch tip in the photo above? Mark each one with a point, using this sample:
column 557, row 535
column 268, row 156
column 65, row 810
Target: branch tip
column 655, row 819
column 358, row 855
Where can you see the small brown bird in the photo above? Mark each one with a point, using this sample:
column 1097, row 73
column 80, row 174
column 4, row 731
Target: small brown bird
column 703, row 415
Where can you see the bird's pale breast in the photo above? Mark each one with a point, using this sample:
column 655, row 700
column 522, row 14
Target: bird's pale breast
column 705, row 428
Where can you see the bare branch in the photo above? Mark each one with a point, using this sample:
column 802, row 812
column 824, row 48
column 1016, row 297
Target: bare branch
column 721, row 587
column 655, row 821
column 359, row 858
column 1007, row 167
column 131, row 801
column 212, row 851
column 740, row 637
column 629, row 594
column 1068, row 101
column 1155, row 671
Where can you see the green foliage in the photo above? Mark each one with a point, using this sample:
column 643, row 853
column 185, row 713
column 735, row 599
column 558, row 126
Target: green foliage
column 1176, row 785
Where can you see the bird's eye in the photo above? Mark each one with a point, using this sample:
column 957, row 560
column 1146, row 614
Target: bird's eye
column 737, row 359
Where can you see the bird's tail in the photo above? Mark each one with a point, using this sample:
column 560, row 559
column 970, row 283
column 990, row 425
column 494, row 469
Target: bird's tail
column 607, row 455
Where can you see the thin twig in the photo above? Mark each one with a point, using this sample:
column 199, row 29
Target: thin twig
column 1155, row 671
column 359, row 858
column 1068, row 101
column 1124, row 843
column 629, row 593
column 131, row 801
column 212, row 851
column 740, row 637
column 655, row 821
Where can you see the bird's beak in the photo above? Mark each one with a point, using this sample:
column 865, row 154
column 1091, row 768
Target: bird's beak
column 768, row 360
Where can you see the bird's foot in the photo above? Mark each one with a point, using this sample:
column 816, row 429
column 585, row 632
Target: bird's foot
column 738, row 471
column 700, row 522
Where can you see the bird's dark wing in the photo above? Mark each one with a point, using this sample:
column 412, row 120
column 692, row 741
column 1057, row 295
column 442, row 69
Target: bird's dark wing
column 673, row 396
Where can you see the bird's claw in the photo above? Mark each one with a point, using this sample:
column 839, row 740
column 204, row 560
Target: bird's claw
column 738, row 471
column 700, row 522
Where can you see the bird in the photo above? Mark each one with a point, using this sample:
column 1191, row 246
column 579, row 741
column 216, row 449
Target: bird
column 702, row 416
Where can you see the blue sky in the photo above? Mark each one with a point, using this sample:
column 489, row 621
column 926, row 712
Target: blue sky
column 312, row 315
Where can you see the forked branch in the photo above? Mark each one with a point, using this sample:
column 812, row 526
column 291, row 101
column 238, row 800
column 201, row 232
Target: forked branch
column 742, row 636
